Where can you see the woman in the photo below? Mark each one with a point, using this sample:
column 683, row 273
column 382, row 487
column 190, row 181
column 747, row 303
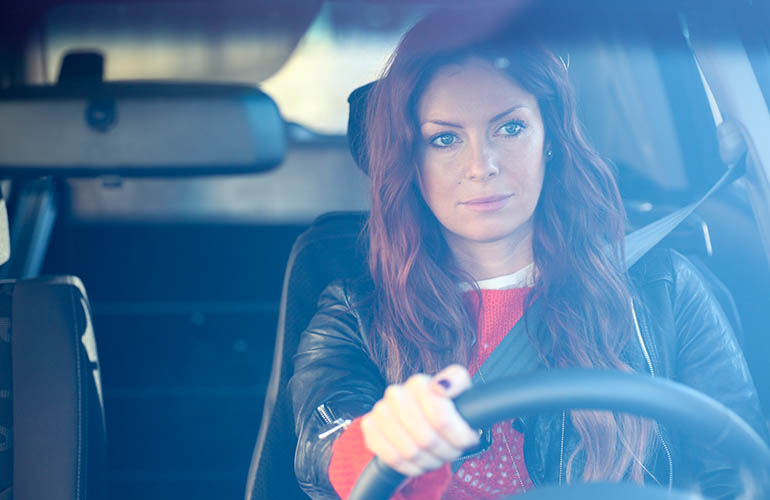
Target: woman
column 485, row 198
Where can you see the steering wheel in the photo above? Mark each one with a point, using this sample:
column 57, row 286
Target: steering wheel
column 669, row 402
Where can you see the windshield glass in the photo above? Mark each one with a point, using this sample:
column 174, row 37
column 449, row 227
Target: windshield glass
column 309, row 62
column 308, row 73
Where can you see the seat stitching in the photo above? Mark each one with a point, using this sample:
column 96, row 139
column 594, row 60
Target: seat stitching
column 79, row 446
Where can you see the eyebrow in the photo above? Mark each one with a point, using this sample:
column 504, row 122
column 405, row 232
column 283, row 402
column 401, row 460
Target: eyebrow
column 493, row 119
column 509, row 110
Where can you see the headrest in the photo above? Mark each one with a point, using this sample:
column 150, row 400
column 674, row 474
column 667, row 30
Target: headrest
column 357, row 125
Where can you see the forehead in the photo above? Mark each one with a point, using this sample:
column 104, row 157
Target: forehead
column 473, row 87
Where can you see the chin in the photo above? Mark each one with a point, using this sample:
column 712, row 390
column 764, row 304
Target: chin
column 488, row 236
column 491, row 233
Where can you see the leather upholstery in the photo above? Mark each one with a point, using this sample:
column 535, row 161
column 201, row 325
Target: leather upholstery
column 326, row 251
column 52, row 432
column 58, row 419
column 6, row 381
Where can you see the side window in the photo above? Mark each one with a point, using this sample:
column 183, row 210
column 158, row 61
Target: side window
column 754, row 24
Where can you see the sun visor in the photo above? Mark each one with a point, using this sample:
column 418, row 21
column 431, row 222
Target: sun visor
column 139, row 129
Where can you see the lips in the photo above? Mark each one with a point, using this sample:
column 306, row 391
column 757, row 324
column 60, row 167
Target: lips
column 487, row 203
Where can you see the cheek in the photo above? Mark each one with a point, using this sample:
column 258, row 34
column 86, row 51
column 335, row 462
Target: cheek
column 527, row 148
column 535, row 185
column 526, row 167
column 437, row 185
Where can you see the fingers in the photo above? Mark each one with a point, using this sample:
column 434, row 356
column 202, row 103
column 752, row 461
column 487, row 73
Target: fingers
column 380, row 445
column 415, row 427
column 413, row 418
column 451, row 381
column 388, row 415
column 441, row 411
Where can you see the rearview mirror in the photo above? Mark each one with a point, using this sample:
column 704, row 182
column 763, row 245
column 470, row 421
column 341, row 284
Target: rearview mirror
column 138, row 129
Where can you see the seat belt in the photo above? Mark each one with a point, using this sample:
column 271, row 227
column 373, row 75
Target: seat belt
column 639, row 242
column 516, row 355
column 500, row 363
column 732, row 150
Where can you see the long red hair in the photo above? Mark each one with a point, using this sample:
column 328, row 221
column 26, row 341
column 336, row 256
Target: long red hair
column 420, row 316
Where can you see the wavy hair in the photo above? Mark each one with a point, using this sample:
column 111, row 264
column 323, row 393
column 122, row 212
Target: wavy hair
column 422, row 320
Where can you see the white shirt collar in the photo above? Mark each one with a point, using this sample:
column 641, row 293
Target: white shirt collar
column 524, row 277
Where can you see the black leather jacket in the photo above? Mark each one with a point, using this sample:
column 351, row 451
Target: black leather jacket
column 682, row 334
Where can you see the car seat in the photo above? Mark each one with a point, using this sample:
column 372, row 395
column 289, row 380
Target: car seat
column 329, row 249
column 52, row 433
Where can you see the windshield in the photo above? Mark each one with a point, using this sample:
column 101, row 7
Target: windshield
column 310, row 64
column 308, row 73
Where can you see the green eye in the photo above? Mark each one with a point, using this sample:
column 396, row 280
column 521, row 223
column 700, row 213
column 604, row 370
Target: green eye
column 443, row 140
column 511, row 128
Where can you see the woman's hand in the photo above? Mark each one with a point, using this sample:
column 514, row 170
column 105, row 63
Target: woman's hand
column 415, row 427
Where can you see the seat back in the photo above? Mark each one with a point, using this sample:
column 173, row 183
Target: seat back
column 329, row 249
column 52, row 433
column 58, row 419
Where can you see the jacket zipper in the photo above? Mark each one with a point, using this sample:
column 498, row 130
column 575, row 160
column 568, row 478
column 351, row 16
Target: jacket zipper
column 652, row 372
column 327, row 416
column 325, row 413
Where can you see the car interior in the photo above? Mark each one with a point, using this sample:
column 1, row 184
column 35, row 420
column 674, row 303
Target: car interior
column 197, row 168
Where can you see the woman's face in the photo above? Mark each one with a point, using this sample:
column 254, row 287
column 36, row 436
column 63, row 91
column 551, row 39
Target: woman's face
column 483, row 158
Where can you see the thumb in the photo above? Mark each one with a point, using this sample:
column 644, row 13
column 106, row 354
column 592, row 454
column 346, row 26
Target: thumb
column 451, row 381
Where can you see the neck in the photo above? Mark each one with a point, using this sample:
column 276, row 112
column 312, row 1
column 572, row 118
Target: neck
column 490, row 259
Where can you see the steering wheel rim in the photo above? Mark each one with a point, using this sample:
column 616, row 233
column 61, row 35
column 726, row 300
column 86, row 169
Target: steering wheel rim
column 667, row 401
column 598, row 491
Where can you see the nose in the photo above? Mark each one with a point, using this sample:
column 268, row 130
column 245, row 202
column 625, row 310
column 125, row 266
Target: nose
column 482, row 164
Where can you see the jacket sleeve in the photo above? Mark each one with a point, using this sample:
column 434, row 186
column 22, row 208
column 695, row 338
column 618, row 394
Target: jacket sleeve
column 710, row 360
column 331, row 367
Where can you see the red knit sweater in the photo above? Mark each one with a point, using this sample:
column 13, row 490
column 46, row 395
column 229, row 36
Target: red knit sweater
column 496, row 473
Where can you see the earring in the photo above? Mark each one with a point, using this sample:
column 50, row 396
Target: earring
column 549, row 154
